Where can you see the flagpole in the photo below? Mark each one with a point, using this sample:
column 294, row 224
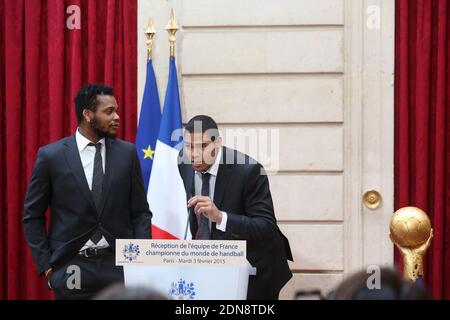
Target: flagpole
column 172, row 28
column 167, row 195
column 150, row 113
column 150, row 33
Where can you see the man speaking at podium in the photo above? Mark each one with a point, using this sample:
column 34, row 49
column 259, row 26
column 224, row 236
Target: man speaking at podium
column 229, row 199
column 94, row 187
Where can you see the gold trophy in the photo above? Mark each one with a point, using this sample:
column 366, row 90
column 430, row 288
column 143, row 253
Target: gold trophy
column 411, row 232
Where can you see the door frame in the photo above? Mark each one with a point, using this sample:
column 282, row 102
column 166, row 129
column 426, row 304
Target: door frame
column 368, row 131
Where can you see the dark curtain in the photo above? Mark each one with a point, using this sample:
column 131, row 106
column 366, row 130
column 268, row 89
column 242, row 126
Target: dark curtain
column 42, row 65
column 422, row 126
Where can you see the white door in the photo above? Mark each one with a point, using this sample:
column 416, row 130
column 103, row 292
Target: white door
column 315, row 80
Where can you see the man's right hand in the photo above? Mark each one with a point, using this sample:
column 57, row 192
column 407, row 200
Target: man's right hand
column 48, row 275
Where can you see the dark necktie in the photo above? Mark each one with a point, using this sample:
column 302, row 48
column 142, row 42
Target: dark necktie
column 97, row 176
column 203, row 222
column 97, row 185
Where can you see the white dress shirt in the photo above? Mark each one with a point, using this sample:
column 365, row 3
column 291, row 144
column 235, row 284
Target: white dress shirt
column 87, row 155
column 212, row 183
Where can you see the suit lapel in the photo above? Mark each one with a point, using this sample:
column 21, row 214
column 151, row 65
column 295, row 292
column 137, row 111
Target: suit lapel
column 187, row 175
column 111, row 157
column 74, row 161
column 223, row 175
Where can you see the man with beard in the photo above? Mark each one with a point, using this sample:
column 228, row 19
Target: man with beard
column 93, row 184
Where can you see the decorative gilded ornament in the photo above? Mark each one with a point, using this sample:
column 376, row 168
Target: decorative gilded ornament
column 372, row 199
column 150, row 33
column 172, row 28
column 411, row 232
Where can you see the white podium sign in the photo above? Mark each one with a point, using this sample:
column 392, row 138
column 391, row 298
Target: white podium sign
column 187, row 269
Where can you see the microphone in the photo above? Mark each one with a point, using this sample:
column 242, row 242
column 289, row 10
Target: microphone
column 189, row 212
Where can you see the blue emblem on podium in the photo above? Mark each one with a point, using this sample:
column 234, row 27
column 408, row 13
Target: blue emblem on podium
column 182, row 291
column 131, row 252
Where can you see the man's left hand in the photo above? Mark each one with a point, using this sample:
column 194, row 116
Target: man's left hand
column 204, row 205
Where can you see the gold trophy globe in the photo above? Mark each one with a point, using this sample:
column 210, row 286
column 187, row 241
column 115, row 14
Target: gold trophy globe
column 410, row 230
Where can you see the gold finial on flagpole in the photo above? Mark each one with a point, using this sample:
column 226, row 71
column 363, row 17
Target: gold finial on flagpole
column 172, row 28
column 150, row 33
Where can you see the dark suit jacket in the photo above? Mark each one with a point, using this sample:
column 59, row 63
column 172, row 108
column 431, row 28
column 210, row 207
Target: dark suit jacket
column 59, row 181
column 242, row 191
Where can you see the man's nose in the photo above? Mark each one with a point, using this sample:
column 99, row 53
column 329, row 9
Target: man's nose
column 197, row 153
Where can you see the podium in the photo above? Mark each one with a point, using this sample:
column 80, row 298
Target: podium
column 184, row 273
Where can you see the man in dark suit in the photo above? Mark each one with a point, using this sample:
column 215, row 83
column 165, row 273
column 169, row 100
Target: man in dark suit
column 93, row 184
column 230, row 199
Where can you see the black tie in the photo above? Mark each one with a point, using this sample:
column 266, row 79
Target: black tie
column 97, row 176
column 97, row 185
column 203, row 222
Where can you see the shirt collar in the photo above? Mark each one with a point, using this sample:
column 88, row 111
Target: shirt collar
column 215, row 166
column 82, row 141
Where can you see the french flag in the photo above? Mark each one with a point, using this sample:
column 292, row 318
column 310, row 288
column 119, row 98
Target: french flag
column 166, row 194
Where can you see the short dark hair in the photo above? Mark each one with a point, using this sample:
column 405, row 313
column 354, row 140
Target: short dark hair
column 205, row 123
column 86, row 98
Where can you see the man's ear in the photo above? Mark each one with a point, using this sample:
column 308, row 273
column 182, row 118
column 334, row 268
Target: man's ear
column 87, row 115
